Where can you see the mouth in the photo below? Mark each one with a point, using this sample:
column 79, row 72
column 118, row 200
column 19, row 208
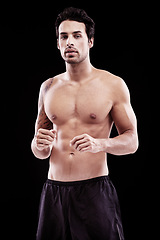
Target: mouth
column 70, row 51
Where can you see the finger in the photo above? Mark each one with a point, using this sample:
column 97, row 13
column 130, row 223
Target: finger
column 83, row 146
column 86, row 149
column 43, row 131
column 42, row 146
column 77, row 138
column 79, row 143
column 43, row 141
column 43, row 136
column 51, row 133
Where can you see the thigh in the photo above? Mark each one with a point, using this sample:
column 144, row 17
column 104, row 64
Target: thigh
column 51, row 223
column 94, row 213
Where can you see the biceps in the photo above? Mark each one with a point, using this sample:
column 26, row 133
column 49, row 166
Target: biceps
column 124, row 117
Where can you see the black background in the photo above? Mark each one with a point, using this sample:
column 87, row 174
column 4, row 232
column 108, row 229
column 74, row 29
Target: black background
column 29, row 57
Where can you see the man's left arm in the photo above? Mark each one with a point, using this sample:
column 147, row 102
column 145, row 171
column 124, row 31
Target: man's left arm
column 125, row 121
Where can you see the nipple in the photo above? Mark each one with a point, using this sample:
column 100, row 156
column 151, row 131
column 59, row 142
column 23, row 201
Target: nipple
column 54, row 117
column 93, row 116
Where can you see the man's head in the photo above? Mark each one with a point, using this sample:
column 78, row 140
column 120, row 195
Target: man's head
column 78, row 15
column 75, row 34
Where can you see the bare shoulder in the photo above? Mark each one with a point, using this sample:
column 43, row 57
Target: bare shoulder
column 46, row 85
column 116, row 85
column 109, row 77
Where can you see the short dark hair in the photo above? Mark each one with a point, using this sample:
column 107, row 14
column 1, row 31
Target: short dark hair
column 79, row 15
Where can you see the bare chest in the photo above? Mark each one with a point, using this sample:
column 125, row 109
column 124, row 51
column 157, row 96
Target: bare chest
column 90, row 103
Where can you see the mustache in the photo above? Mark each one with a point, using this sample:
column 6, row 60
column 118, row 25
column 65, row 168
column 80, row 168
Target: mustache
column 70, row 49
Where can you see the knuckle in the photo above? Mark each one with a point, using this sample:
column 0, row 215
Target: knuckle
column 89, row 147
column 38, row 134
column 79, row 147
column 46, row 142
column 48, row 138
column 87, row 137
column 37, row 137
column 39, row 130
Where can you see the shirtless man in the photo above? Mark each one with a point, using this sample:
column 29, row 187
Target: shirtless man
column 76, row 111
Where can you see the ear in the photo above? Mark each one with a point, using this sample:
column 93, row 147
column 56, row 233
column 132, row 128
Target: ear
column 58, row 43
column 91, row 42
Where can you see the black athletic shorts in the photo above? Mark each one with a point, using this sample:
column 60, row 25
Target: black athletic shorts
column 80, row 210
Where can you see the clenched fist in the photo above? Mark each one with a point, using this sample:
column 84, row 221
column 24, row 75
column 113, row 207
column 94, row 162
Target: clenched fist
column 44, row 138
column 86, row 143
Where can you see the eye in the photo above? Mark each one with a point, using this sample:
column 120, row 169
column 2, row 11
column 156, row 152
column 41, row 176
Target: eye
column 77, row 36
column 64, row 37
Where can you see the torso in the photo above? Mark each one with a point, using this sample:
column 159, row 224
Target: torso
column 75, row 109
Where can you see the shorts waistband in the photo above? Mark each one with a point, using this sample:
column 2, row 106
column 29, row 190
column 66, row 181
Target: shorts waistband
column 79, row 182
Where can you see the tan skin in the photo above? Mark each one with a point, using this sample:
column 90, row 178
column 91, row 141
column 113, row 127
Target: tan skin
column 76, row 112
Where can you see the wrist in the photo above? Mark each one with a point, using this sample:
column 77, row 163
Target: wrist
column 103, row 143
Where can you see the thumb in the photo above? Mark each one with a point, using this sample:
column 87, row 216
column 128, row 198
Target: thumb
column 53, row 131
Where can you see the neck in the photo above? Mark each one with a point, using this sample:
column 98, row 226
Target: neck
column 79, row 71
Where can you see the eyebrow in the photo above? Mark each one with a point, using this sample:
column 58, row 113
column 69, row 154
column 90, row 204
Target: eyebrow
column 63, row 33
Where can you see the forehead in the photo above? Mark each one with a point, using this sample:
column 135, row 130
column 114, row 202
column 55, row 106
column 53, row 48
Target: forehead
column 71, row 26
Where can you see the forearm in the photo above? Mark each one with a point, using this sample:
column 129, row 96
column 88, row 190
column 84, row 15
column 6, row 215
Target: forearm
column 41, row 154
column 123, row 144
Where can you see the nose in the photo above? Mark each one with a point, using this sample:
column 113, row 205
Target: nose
column 70, row 41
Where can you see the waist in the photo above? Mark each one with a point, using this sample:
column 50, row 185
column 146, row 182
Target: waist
column 79, row 182
column 77, row 166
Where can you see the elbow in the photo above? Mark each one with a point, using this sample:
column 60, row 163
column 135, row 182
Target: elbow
column 134, row 145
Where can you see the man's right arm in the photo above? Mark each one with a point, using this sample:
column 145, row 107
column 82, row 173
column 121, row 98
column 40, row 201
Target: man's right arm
column 42, row 142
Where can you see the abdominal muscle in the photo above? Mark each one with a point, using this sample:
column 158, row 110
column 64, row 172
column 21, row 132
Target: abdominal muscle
column 68, row 164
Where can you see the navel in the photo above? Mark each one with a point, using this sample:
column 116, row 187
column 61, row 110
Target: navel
column 93, row 116
column 71, row 155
